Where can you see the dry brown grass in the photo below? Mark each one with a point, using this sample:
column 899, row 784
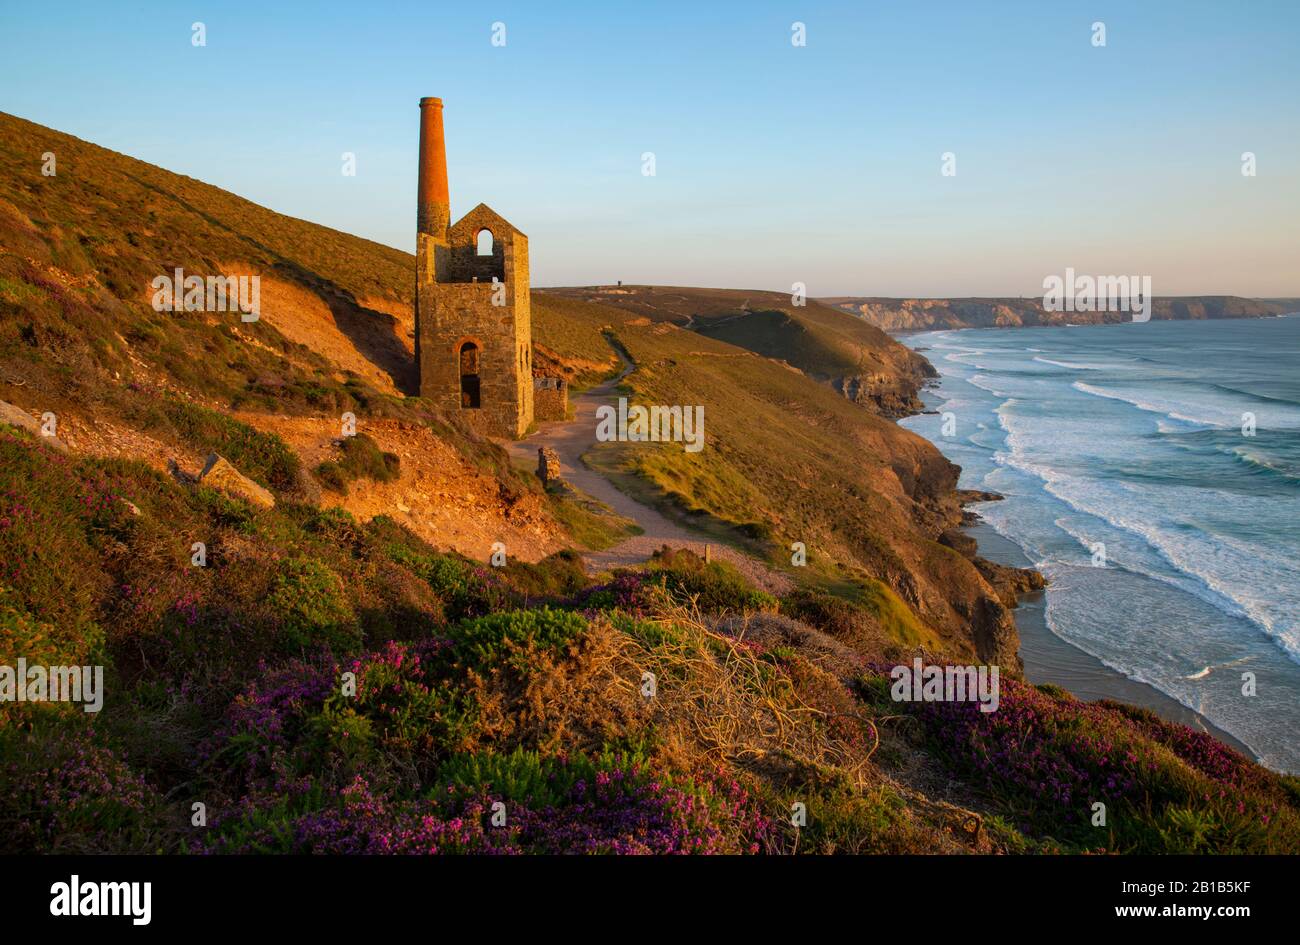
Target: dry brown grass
column 718, row 701
column 718, row 698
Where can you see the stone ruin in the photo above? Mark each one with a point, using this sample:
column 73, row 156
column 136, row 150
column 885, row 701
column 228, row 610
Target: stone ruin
column 473, row 315
column 550, row 398
column 548, row 466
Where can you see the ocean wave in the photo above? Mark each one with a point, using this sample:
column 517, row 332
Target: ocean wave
column 1202, row 568
column 1151, row 406
column 1264, row 465
column 1071, row 365
column 981, row 381
column 1251, row 395
column 1230, row 595
column 1207, row 590
column 1105, row 656
column 994, row 517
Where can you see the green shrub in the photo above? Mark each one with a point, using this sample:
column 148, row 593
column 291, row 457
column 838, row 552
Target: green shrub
column 224, row 511
column 47, row 556
column 466, row 589
column 309, row 604
column 332, row 477
column 41, row 643
column 562, row 574
column 66, row 792
column 361, row 459
column 510, row 638
column 530, row 778
column 715, row 585
column 652, row 634
column 337, row 527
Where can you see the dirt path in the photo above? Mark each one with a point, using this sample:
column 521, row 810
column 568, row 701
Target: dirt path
column 570, row 439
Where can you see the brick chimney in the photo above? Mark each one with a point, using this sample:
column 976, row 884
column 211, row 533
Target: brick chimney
column 433, row 208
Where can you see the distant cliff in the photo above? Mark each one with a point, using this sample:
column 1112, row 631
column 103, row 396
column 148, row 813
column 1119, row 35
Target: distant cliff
column 901, row 314
column 851, row 355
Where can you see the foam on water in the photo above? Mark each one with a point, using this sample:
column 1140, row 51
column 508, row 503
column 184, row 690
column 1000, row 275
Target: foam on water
column 1072, row 367
column 1170, row 409
column 1150, row 457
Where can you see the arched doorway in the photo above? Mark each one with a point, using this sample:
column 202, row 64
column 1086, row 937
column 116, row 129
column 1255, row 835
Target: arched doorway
column 469, row 383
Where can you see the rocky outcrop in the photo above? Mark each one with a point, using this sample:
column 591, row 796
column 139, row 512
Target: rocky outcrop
column 891, row 395
column 1010, row 583
column 993, row 631
column 18, row 417
column 959, row 542
column 986, row 597
column 969, row 497
column 220, row 474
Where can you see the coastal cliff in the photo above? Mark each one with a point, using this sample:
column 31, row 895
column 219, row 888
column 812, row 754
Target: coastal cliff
column 931, row 314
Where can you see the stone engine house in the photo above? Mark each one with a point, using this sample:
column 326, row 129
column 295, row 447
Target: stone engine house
column 473, row 321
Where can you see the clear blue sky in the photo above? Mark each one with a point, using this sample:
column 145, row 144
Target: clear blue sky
column 775, row 164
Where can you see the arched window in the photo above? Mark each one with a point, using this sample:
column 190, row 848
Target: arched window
column 485, row 242
column 469, row 386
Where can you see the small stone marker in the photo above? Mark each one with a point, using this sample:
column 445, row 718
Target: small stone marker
column 548, row 465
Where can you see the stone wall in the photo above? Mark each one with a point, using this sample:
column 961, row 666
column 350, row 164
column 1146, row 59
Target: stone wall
column 550, row 398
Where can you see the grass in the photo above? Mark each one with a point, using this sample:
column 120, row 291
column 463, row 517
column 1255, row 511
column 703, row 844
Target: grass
column 78, row 332
column 263, row 457
column 815, row 338
column 568, row 335
column 676, row 481
column 525, row 684
column 360, row 458
column 590, row 523
column 789, row 460
column 711, row 586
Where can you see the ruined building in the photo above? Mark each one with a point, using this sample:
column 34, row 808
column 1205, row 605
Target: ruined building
column 550, row 398
column 473, row 324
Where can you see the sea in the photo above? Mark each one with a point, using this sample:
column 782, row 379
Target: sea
column 1151, row 471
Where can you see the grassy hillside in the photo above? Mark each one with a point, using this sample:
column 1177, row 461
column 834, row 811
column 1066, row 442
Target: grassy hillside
column 786, row 460
column 228, row 686
column 80, row 251
column 79, row 338
column 333, row 676
column 568, row 338
column 857, row 359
